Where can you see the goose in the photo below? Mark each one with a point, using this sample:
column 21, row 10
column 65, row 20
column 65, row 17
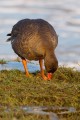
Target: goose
column 35, row 39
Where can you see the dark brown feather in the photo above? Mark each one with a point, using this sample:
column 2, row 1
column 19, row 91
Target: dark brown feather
column 35, row 39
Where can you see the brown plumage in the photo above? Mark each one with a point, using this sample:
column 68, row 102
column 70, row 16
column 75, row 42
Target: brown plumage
column 35, row 39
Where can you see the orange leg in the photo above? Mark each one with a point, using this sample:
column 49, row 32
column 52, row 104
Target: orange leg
column 42, row 70
column 24, row 62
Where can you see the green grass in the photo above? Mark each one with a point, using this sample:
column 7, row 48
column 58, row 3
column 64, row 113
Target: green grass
column 17, row 90
column 2, row 61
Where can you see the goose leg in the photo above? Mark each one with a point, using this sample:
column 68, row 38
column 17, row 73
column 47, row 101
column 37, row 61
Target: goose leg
column 42, row 70
column 24, row 62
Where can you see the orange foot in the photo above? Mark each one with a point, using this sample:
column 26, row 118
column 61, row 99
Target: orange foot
column 28, row 75
column 44, row 77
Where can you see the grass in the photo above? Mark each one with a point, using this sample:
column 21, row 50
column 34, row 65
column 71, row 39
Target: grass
column 17, row 90
column 2, row 61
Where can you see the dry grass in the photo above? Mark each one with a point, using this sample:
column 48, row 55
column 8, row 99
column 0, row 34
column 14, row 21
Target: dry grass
column 2, row 61
column 62, row 90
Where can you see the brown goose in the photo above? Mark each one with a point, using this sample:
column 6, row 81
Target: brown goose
column 35, row 39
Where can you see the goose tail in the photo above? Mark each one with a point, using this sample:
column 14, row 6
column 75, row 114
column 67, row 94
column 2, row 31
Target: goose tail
column 9, row 39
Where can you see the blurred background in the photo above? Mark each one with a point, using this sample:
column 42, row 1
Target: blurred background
column 64, row 15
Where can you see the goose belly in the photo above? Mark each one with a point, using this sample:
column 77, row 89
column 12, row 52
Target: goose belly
column 29, row 51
